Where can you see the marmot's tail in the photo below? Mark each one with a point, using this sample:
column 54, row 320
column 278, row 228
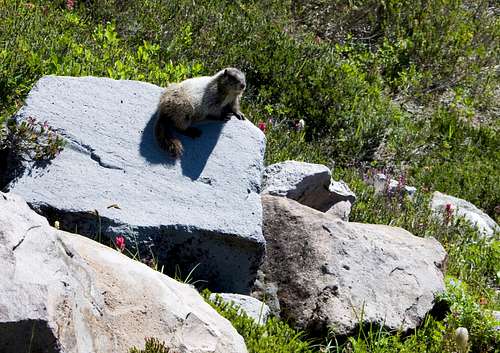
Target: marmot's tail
column 167, row 140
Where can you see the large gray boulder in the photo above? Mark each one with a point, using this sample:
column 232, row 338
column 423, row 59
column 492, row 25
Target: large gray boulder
column 311, row 185
column 61, row 292
column 330, row 273
column 112, row 179
column 462, row 208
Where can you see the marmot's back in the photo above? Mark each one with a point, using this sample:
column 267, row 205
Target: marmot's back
column 200, row 93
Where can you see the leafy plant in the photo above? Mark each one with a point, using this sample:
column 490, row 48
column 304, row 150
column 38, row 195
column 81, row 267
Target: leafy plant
column 273, row 336
column 153, row 345
column 31, row 140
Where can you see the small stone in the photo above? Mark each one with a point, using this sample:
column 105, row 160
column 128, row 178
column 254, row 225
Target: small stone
column 462, row 208
column 462, row 339
column 311, row 185
column 252, row 307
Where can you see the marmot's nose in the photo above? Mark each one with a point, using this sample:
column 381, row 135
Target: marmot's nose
column 242, row 86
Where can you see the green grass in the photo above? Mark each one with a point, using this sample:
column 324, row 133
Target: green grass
column 355, row 86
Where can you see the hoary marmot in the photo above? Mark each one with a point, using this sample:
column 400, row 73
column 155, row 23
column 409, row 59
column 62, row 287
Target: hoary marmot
column 209, row 97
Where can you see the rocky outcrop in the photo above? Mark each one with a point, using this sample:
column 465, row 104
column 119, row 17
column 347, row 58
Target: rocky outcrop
column 461, row 208
column 252, row 307
column 112, row 179
column 61, row 292
column 311, row 185
column 329, row 273
column 391, row 186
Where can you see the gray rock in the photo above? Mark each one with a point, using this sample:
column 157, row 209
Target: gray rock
column 379, row 182
column 112, row 179
column 383, row 185
column 254, row 308
column 330, row 273
column 410, row 190
column 496, row 316
column 343, row 198
column 463, row 208
column 341, row 191
column 393, row 185
column 267, row 291
column 308, row 183
column 341, row 209
column 61, row 292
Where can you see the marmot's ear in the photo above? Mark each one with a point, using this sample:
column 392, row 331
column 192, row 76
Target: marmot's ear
column 225, row 72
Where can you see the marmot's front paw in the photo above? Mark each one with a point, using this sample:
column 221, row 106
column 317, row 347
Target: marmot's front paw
column 240, row 116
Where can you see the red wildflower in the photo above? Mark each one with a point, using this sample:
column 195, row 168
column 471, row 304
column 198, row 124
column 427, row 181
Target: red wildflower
column 120, row 243
column 299, row 125
column 31, row 121
column 262, row 125
column 70, row 4
column 448, row 213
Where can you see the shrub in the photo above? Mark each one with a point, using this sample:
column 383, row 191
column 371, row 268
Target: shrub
column 152, row 345
column 273, row 336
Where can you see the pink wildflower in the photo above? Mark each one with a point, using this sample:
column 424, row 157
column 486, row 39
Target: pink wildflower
column 70, row 4
column 402, row 181
column 31, row 121
column 299, row 125
column 448, row 213
column 120, row 243
column 262, row 125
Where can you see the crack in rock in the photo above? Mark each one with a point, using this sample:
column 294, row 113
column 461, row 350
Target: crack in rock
column 86, row 149
column 22, row 239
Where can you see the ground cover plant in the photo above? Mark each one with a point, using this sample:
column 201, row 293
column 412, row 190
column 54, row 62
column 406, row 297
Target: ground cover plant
column 410, row 88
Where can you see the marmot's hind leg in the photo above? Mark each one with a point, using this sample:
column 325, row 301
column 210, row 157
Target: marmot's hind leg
column 183, row 120
column 192, row 132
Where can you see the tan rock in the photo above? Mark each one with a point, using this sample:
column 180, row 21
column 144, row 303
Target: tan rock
column 330, row 273
column 61, row 292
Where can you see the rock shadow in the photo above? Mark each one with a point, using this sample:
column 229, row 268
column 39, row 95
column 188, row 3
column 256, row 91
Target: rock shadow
column 196, row 151
column 27, row 335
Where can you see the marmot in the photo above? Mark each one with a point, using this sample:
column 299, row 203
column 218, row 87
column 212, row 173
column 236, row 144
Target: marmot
column 209, row 97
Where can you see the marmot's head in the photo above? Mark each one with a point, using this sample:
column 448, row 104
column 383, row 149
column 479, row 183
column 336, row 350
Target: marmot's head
column 231, row 80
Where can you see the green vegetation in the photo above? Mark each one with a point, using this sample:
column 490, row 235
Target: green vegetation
column 274, row 336
column 408, row 87
column 152, row 345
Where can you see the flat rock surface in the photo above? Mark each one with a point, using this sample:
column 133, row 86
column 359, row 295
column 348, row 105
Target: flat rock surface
column 330, row 273
column 204, row 208
column 462, row 208
column 61, row 292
